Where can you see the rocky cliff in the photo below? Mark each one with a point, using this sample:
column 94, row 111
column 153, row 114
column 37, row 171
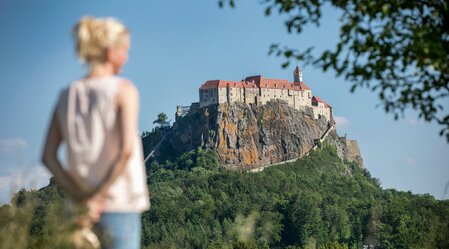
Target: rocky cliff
column 249, row 136
column 346, row 148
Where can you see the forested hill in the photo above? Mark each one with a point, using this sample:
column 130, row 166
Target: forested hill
column 318, row 201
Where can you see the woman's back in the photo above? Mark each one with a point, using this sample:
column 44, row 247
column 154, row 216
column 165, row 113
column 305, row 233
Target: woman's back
column 89, row 120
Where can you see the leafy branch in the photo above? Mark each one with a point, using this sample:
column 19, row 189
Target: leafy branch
column 397, row 49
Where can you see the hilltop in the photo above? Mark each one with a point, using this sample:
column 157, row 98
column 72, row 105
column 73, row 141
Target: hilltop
column 252, row 124
column 250, row 136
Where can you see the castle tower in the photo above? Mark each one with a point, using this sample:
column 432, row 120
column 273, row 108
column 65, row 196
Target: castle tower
column 297, row 75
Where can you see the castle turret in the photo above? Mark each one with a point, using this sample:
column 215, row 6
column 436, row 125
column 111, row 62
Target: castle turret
column 297, row 75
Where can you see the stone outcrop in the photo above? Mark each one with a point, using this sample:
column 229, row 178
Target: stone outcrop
column 346, row 148
column 250, row 136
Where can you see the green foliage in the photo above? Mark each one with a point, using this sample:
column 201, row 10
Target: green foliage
column 397, row 49
column 318, row 201
column 162, row 120
column 151, row 139
column 36, row 219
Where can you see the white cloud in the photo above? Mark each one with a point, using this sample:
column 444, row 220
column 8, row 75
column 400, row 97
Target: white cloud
column 4, row 182
column 446, row 188
column 342, row 122
column 32, row 177
column 11, row 145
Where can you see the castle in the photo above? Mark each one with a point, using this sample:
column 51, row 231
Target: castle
column 259, row 90
column 273, row 124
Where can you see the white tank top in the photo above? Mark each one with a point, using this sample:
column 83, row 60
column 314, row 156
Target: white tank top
column 88, row 118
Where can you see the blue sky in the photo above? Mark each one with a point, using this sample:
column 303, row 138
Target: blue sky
column 176, row 46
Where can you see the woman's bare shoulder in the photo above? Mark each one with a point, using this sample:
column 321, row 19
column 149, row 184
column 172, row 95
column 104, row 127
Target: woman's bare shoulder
column 127, row 90
column 126, row 85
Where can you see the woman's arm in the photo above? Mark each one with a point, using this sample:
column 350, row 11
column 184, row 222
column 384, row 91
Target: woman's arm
column 128, row 109
column 51, row 161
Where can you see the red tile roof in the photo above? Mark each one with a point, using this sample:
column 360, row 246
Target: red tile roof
column 256, row 81
column 226, row 83
column 277, row 84
column 302, row 85
column 318, row 99
column 272, row 83
column 210, row 84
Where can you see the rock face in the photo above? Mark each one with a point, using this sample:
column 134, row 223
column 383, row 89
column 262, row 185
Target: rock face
column 346, row 148
column 249, row 136
column 254, row 136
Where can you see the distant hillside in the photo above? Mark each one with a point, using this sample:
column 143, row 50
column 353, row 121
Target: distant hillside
column 247, row 136
column 319, row 201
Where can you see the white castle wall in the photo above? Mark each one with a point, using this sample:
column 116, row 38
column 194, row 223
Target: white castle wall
column 231, row 92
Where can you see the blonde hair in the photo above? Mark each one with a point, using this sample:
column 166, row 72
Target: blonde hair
column 94, row 36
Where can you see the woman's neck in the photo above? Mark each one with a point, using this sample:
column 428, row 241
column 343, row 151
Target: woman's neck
column 101, row 70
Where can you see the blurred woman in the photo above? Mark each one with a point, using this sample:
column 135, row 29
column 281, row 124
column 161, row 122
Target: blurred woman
column 96, row 117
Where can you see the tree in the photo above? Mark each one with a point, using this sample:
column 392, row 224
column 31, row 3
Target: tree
column 397, row 49
column 162, row 120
